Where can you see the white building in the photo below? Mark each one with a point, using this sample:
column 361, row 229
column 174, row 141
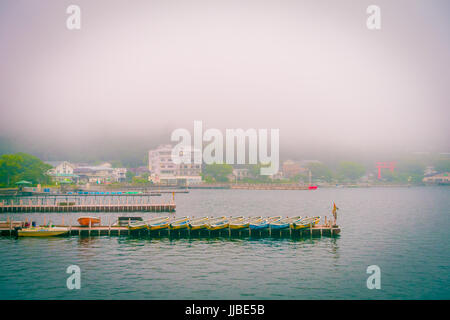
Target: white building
column 164, row 170
column 62, row 167
column 160, row 162
column 62, row 171
column 120, row 174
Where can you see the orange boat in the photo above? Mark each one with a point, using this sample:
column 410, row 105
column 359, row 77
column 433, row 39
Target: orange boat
column 85, row 221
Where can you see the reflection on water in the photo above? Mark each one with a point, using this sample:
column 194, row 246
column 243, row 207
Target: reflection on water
column 379, row 226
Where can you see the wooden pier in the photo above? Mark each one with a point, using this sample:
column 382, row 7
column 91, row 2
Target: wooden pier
column 67, row 207
column 316, row 231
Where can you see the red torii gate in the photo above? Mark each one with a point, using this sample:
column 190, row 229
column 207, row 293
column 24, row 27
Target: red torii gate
column 385, row 165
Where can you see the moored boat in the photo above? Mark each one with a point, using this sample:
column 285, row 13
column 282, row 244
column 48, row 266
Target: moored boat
column 137, row 225
column 88, row 221
column 305, row 223
column 258, row 223
column 158, row 223
column 217, row 223
column 179, row 223
column 283, row 223
column 42, row 231
column 239, row 223
column 198, row 223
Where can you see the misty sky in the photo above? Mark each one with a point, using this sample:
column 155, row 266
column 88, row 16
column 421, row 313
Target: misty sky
column 140, row 69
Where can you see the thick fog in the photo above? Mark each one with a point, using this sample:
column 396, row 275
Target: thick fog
column 137, row 70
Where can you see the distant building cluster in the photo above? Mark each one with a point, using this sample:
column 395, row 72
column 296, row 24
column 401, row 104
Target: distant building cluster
column 164, row 171
column 64, row 171
column 440, row 178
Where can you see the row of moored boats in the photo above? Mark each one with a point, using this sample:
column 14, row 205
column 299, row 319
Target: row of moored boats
column 220, row 223
column 188, row 223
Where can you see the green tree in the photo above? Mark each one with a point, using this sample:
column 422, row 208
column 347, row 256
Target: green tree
column 22, row 166
column 352, row 171
column 320, row 171
column 129, row 176
column 219, row 172
column 10, row 167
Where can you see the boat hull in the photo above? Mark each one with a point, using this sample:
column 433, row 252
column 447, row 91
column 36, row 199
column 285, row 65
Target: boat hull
column 305, row 224
column 158, row 226
column 86, row 221
column 179, row 224
column 214, row 227
column 42, row 232
column 179, row 227
column 239, row 226
column 279, row 226
column 261, row 226
column 141, row 226
column 198, row 227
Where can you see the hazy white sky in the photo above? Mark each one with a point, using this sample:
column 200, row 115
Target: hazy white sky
column 310, row 68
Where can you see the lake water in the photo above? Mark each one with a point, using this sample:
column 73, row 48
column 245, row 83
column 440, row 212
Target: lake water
column 404, row 231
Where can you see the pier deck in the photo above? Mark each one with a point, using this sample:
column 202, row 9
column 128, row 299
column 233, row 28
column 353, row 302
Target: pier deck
column 317, row 231
column 163, row 207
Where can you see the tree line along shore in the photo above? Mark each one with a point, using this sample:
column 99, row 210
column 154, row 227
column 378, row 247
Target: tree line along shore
column 23, row 167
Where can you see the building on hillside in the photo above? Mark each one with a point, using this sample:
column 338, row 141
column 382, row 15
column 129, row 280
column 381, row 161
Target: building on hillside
column 160, row 162
column 61, row 167
column 62, row 171
column 441, row 178
column 191, row 169
column 96, row 174
column 429, row 171
column 164, row 171
column 120, row 174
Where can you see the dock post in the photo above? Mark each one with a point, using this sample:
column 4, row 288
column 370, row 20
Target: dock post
column 90, row 224
column 10, row 226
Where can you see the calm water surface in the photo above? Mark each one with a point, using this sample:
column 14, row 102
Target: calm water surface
column 405, row 231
